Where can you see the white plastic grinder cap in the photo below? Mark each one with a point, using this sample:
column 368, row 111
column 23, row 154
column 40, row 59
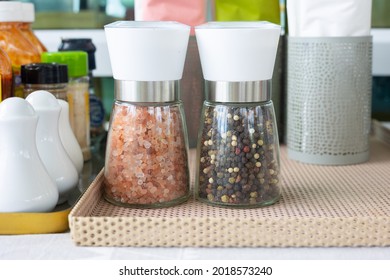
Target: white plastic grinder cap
column 147, row 50
column 237, row 51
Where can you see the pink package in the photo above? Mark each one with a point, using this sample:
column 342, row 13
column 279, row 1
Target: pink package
column 190, row 12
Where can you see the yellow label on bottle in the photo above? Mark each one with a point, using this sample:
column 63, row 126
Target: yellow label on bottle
column 78, row 100
column 86, row 97
column 18, row 87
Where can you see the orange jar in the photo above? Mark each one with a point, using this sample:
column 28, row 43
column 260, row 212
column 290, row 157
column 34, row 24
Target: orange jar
column 25, row 27
column 5, row 76
column 14, row 43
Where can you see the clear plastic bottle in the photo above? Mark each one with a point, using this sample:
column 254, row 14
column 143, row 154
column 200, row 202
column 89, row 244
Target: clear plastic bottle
column 14, row 43
column 146, row 162
column 25, row 27
column 77, row 94
column 51, row 77
column 5, row 76
column 238, row 146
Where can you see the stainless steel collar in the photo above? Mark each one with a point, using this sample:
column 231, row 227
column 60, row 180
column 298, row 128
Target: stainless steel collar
column 141, row 91
column 238, row 92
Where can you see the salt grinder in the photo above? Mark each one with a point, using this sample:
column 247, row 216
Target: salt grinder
column 238, row 146
column 146, row 161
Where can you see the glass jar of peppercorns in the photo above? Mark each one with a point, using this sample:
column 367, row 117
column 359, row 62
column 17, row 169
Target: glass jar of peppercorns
column 238, row 146
column 238, row 154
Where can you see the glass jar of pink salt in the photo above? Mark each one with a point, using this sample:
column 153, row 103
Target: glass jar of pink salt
column 146, row 156
column 146, row 161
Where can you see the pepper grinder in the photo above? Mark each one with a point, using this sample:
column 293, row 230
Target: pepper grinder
column 25, row 185
column 238, row 147
column 146, row 161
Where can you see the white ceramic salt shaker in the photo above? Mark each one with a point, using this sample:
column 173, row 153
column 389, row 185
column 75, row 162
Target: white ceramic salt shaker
column 68, row 138
column 25, row 185
column 50, row 148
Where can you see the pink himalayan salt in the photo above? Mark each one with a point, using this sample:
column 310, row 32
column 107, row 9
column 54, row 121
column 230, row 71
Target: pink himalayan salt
column 146, row 157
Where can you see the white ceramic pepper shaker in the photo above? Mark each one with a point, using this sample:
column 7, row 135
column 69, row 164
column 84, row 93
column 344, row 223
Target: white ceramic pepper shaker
column 68, row 138
column 25, row 185
column 50, row 148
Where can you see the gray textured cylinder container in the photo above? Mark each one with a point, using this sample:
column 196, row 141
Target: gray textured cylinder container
column 329, row 99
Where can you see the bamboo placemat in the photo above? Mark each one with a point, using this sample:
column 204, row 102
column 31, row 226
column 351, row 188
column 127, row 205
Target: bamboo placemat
column 320, row 206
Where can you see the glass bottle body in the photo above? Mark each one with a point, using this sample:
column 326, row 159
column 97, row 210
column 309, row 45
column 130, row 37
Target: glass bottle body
column 238, row 155
column 97, row 113
column 5, row 76
column 96, row 117
column 78, row 99
column 58, row 90
column 19, row 50
column 27, row 31
column 146, row 158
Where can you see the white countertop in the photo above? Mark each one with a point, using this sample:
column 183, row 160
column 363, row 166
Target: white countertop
column 60, row 247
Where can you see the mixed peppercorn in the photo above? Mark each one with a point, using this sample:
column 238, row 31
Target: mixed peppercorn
column 238, row 157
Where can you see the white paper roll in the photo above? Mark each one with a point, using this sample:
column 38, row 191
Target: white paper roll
column 329, row 18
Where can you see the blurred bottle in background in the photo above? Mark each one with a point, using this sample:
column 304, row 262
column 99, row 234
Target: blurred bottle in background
column 96, row 109
column 52, row 77
column 5, row 76
column 77, row 94
column 14, row 43
column 25, row 26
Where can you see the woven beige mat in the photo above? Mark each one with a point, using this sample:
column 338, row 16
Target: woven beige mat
column 320, row 206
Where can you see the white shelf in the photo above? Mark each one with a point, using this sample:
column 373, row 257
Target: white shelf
column 381, row 52
column 52, row 39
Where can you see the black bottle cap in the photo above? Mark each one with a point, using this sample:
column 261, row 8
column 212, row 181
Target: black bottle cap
column 80, row 44
column 44, row 73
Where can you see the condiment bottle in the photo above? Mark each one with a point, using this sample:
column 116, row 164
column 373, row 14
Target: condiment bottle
column 238, row 148
column 50, row 148
column 25, row 185
column 25, row 27
column 51, row 77
column 146, row 155
column 77, row 94
column 68, row 138
column 5, row 76
column 14, row 43
column 96, row 109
